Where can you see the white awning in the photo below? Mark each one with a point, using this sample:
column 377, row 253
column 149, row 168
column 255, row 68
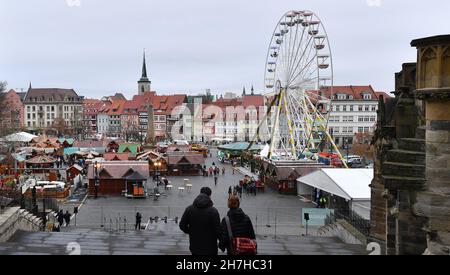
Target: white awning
column 19, row 137
column 350, row 184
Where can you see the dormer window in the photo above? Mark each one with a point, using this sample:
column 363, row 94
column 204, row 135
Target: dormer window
column 341, row 96
column 367, row 96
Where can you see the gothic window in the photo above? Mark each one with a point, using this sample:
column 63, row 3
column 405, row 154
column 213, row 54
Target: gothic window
column 429, row 73
column 446, row 68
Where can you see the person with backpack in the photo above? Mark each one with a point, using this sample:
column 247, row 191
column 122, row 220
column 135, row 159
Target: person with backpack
column 238, row 235
column 202, row 222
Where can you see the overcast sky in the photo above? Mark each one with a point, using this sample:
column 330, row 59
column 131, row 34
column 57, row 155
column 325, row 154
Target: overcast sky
column 96, row 47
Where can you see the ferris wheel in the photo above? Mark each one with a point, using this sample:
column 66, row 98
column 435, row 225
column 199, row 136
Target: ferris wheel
column 299, row 78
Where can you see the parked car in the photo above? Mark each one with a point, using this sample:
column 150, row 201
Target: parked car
column 355, row 163
column 354, row 157
column 336, row 162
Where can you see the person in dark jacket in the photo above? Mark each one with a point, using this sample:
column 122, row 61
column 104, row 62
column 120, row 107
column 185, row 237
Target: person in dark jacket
column 67, row 217
column 137, row 226
column 202, row 222
column 60, row 218
column 241, row 225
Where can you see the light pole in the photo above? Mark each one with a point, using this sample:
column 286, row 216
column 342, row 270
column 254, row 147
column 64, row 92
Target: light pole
column 157, row 165
column 96, row 178
column 346, row 146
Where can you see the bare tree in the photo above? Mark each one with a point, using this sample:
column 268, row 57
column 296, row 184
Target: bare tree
column 362, row 146
column 59, row 124
column 3, row 85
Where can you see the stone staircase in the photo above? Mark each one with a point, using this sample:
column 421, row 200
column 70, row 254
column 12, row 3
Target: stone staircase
column 404, row 168
column 170, row 242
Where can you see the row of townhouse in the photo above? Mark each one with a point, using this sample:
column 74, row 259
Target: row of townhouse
column 129, row 119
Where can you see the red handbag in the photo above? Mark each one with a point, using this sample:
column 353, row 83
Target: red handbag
column 240, row 246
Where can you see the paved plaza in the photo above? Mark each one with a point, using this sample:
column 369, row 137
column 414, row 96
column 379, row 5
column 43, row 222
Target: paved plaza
column 270, row 212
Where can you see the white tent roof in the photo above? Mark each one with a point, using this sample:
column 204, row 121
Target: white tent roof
column 350, row 184
column 19, row 137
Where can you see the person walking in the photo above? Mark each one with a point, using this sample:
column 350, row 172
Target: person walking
column 67, row 217
column 202, row 222
column 137, row 226
column 210, row 171
column 240, row 224
column 216, row 178
column 223, row 170
column 240, row 191
column 60, row 218
column 230, row 190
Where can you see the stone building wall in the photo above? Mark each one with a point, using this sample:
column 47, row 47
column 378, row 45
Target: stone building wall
column 433, row 203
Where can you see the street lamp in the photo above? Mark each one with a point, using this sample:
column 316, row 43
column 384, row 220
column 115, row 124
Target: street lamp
column 157, row 164
column 346, row 146
column 96, row 178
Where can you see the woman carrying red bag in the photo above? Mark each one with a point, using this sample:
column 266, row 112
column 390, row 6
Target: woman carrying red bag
column 238, row 236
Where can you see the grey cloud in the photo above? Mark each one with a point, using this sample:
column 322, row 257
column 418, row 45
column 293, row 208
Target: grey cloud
column 197, row 44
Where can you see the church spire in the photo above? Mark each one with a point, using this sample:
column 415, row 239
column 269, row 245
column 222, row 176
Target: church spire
column 29, row 88
column 243, row 92
column 144, row 68
column 144, row 84
column 253, row 90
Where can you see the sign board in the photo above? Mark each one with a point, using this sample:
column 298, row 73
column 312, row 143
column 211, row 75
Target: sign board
column 317, row 216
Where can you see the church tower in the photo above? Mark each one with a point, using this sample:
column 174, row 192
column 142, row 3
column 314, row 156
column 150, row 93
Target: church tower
column 144, row 84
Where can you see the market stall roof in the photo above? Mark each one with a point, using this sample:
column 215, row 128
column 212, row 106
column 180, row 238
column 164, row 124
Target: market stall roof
column 71, row 150
column 132, row 148
column 350, row 184
column 116, row 156
column 69, row 141
column 151, row 155
column 19, row 137
column 239, row 146
column 185, row 158
column 118, row 169
column 76, row 166
column 41, row 160
column 135, row 176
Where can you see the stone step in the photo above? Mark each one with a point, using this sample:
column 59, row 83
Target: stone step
column 146, row 243
column 412, row 144
column 405, row 156
column 421, row 132
column 402, row 169
column 403, row 183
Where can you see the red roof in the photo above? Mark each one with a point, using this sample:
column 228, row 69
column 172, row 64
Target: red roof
column 166, row 103
column 385, row 95
column 357, row 92
column 115, row 156
column 116, row 108
column 92, row 106
column 253, row 100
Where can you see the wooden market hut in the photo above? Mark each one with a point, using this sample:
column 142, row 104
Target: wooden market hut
column 135, row 185
column 285, row 173
column 73, row 171
column 40, row 163
column 153, row 159
column 185, row 163
column 112, row 176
